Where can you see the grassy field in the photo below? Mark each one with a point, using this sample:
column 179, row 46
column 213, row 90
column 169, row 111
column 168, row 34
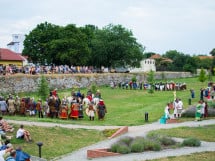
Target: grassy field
column 56, row 141
column 125, row 107
column 205, row 133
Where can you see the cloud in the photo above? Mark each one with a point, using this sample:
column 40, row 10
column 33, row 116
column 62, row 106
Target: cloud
column 160, row 25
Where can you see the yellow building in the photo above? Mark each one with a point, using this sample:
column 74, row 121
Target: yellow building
column 8, row 57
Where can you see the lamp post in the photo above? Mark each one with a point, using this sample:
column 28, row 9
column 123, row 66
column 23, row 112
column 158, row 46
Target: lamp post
column 40, row 144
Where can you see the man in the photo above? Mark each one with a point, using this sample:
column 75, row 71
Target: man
column 23, row 134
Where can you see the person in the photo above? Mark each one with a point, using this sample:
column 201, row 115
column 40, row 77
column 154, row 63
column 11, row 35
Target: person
column 23, row 134
column 206, row 110
column 11, row 105
column 91, row 112
column 22, row 107
column 3, row 106
column 5, row 126
column 21, row 155
column 180, row 107
column 63, row 111
column 101, row 108
column 192, row 92
column 74, row 110
column 12, row 156
column 166, row 111
column 3, row 152
column 198, row 111
column 39, row 108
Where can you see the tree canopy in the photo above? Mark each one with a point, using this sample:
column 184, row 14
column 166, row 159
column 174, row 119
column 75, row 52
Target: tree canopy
column 110, row 46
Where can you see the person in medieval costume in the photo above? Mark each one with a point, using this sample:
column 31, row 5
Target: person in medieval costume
column 101, row 108
column 11, row 106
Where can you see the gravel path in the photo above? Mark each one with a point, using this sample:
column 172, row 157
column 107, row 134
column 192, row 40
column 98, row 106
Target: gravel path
column 81, row 154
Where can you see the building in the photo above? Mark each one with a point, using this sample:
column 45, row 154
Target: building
column 146, row 65
column 17, row 43
column 8, row 57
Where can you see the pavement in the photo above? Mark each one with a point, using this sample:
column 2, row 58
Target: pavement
column 133, row 131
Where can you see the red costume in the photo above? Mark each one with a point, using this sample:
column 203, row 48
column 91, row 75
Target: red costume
column 74, row 111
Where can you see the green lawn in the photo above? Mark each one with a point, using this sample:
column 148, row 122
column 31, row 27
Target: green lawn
column 56, row 141
column 205, row 133
column 125, row 107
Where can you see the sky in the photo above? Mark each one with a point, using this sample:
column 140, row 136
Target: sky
column 187, row 26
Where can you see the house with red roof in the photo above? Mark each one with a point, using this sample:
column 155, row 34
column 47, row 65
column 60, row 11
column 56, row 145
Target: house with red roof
column 8, row 57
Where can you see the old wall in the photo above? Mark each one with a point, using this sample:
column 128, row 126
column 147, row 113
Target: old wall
column 24, row 83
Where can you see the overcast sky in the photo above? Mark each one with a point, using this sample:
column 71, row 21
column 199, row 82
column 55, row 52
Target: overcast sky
column 187, row 26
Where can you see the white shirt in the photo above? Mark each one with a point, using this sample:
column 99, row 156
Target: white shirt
column 2, row 152
column 20, row 133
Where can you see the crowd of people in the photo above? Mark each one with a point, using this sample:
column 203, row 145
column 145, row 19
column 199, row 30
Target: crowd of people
column 73, row 107
column 7, row 151
column 157, row 86
column 49, row 69
column 176, row 107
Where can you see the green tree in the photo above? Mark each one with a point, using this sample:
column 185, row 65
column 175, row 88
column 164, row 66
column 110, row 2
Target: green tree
column 115, row 46
column 43, row 88
column 202, row 75
column 151, row 81
column 36, row 43
column 212, row 52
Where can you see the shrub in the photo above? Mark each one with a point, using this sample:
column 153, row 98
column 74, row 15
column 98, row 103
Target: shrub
column 167, row 141
column 152, row 145
column 123, row 148
column 191, row 142
column 114, row 147
column 126, row 140
column 137, row 145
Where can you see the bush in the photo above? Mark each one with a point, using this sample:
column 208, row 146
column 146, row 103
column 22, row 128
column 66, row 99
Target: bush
column 167, row 141
column 123, row 148
column 152, row 145
column 137, row 145
column 126, row 140
column 114, row 147
column 191, row 142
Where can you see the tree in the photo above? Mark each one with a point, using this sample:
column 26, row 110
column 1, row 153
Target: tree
column 202, row 75
column 36, row 43
column 151, row 81
column 115, row 46
column 212, row 52
column 43, row 88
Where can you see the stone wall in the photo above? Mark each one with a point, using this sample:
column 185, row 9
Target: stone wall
column 29, row 83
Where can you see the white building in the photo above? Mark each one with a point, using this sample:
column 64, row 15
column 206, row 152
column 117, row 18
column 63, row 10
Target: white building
column 146, row 65
column 17, row 43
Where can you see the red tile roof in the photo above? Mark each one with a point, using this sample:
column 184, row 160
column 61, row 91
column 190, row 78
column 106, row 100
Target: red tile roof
column 206, row 57
column 155, row 56
column 6, row 54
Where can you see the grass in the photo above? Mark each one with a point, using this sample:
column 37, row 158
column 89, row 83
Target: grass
column 124, row 107
column 204, row 156
column 127, row 107
column 205, row 133
column 56, row 141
